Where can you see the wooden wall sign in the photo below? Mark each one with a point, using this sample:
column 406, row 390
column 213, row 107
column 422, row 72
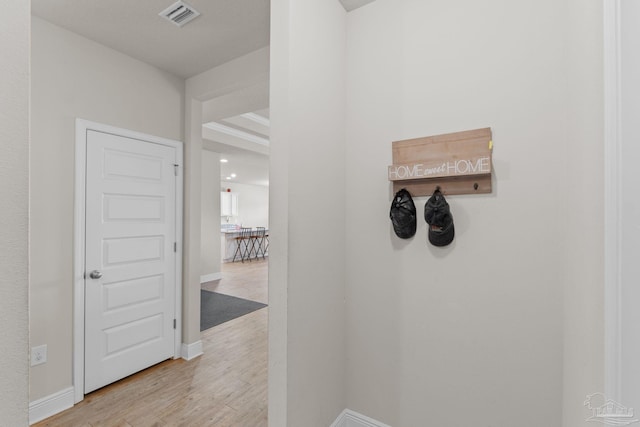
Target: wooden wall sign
column 458, row 163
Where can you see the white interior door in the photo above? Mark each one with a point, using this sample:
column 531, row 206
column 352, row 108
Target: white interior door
column 130, row 258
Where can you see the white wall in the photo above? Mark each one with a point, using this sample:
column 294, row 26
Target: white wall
column 210, row 257
column 75, row 77
column 475, row 329
column 583, row 369
column 253, row 205
column 630, row 204
column 14, row 214
column 307, row 224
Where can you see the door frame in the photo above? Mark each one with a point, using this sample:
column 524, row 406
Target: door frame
column 82, row 127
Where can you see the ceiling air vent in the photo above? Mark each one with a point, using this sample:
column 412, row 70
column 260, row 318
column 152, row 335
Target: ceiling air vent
column 179, row 13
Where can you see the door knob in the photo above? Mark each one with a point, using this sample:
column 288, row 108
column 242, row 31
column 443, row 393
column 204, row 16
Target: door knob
column 95, row 274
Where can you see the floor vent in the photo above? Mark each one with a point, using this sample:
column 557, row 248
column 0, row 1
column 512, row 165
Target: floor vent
column 179, row 13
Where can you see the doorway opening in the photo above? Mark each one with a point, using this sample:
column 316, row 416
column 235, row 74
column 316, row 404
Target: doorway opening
column 234, row 249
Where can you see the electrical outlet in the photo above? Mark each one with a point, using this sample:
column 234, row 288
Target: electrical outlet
column 38, row 355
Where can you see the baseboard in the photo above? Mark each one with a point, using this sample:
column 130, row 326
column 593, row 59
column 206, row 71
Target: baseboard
column 50, row 405
column 349, row 418
column 210, row 277
column 191, row 351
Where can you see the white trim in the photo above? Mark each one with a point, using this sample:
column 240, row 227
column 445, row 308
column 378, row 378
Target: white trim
column 50, row 405
column 227, row 130
column 82, row 126
column 349, row 418
column 78, row 263
column 191, row 351
column 612, row 210
column 177, row 347
column 210, row 277
column 257, row 118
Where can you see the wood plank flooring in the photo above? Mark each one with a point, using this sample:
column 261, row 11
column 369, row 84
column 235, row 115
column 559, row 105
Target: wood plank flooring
column 225, row 387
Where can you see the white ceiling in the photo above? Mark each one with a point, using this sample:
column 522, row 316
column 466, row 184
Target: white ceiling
column 243, row 140
column 249, row 168
column 226, row 29
column 349, row 5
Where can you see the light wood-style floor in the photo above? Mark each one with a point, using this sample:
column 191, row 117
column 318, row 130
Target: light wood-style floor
column 225, row 387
